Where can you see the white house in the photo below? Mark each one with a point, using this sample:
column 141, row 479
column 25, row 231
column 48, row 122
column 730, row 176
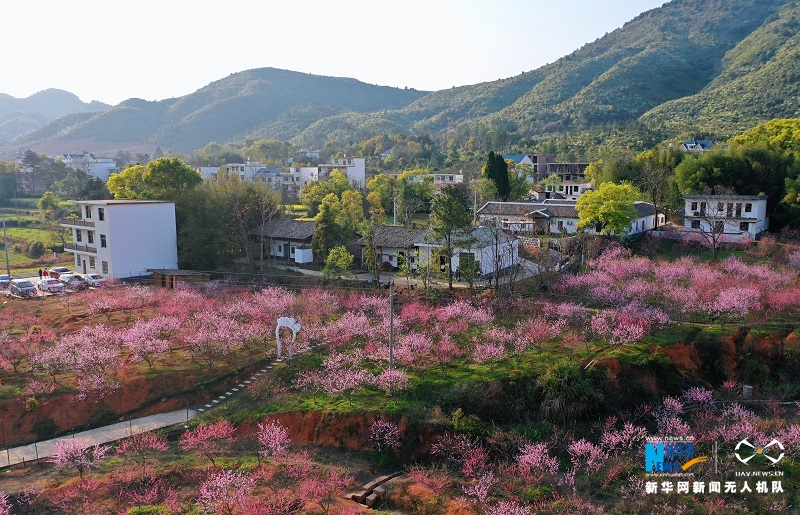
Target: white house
column 554, row 216
column 735, row 217
column 96, row 167
column 519, row 159
column 696, row 145
column 123, row 238
column 284, row 239
column 393, row 243
column 493, row 249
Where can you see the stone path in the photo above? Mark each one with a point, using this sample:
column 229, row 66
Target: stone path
column 101, row 435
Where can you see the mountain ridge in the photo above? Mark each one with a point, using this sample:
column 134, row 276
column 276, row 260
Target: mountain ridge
column 720, row 66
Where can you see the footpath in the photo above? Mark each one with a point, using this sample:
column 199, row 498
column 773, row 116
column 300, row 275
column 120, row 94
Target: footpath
column 46, row 448
column 111, row 433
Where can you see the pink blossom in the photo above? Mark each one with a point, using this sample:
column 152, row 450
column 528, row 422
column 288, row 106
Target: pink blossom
column 392, row 380
column 385, row 435
column 273, row 440
column 508, row 508
column 5, row 504
column 587, row 456
column 140, row 445
column 480, row 490
column 208, row 439
column 701, row 396
column 225, row 491
column 627, row 439
column 488, row 352
column 78, row 454
column 535, row 460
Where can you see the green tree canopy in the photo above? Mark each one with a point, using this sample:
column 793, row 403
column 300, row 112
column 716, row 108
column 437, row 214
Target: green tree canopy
column 162, row 179
column 449, row 217
column 608, row 209
column 496, row 170
column 339, row 260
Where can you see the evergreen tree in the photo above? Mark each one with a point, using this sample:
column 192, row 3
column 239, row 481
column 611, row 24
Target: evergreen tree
column 326, row 231
column 496, row 170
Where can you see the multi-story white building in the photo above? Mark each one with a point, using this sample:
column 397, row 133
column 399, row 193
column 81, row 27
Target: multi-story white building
column 295, row 178
column 733, row 217
column 123, row 238
column 96, row 167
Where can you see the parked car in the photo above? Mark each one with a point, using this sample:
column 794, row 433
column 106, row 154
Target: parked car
column 58, row 271
column 73, row 282
column 22, row 288
column 5, row 280
column 51, row 285
column 94, row 279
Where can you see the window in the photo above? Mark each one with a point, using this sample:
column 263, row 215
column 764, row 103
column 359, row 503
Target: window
column 719, row 227
column 103, row 240
column 279, row 249
column 101, row 213
column 748, row 208
column 90, row 234
column 88, row 210
column 77, row 260
column 694, row 206
column 695, row 224
column 105, row 267
column 291, row 251
column 92, row 262
column 744, row 226
column 78, row 236
column 721, row 206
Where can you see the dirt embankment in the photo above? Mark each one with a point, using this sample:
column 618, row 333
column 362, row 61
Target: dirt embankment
column 743, row 356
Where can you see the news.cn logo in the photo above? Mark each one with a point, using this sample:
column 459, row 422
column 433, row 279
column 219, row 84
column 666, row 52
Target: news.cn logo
column 745, row 451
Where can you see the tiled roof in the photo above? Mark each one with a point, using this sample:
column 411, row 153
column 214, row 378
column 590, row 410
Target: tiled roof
column 284, row 228
column 644, row 209
column 400, row 237
column 508, row 208
column 476, row 238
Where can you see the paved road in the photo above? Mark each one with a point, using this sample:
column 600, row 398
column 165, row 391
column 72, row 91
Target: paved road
column 101, row 435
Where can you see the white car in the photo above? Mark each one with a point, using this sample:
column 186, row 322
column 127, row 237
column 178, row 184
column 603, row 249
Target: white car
column 94, row 279
column 51, row 285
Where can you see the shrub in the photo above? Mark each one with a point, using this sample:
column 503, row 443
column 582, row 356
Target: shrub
column 35, row 249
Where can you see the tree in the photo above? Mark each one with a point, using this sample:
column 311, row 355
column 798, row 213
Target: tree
column 209, row 440
column 50, row 206
column 608, row 209
column 552, row 183
column 338, row 261
column 449, row 218
column 8, row 181
column 709, row 223
column 141, row 445
column 352, row 211
column 78, row 454
column 655, row 177
column 273, row 440
column 162, row 179
column 413, row 191
column 496, row 170
column 381, row 191
column 327, row 231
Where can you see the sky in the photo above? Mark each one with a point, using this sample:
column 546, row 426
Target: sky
column 112, row 50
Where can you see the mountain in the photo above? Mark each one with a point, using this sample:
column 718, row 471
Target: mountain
column 20, row 115
column 228, row 109
column 718, row 66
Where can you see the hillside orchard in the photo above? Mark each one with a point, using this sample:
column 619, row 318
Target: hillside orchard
column 490, row 405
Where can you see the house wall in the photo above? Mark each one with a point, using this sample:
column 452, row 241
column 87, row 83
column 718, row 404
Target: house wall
column 757, row 218
column 137, row 237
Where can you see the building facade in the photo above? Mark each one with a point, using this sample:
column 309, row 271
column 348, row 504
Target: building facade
column 123, row 238
column 733, row 216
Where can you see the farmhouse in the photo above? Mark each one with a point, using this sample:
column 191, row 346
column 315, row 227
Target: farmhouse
column 554, row 216
column 284, row 239
column 736, row 217
column 392, row 245
column 123, row 238
column 492, row 249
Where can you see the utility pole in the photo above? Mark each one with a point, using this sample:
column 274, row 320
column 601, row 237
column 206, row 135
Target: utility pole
column 5, row 245
column 391, row 324
column 394, row 210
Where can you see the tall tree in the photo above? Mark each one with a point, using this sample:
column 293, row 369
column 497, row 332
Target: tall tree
column 162, row 179
column 496, row 170
column 449, row 218
column 327, row 231
column 610, row 208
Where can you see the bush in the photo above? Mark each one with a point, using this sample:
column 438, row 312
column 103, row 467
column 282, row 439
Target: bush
column 35, row 249
column 45, row 428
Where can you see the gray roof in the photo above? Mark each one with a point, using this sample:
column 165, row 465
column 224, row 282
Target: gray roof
column 476, row 238
column 556, row 211
column 517, row 158
column 644, row 209
column 286, row 229
column 731, row 197
column 399, row 236
column 508, row 208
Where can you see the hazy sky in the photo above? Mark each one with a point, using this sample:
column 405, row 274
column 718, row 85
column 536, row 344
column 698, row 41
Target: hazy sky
column 111, row 50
